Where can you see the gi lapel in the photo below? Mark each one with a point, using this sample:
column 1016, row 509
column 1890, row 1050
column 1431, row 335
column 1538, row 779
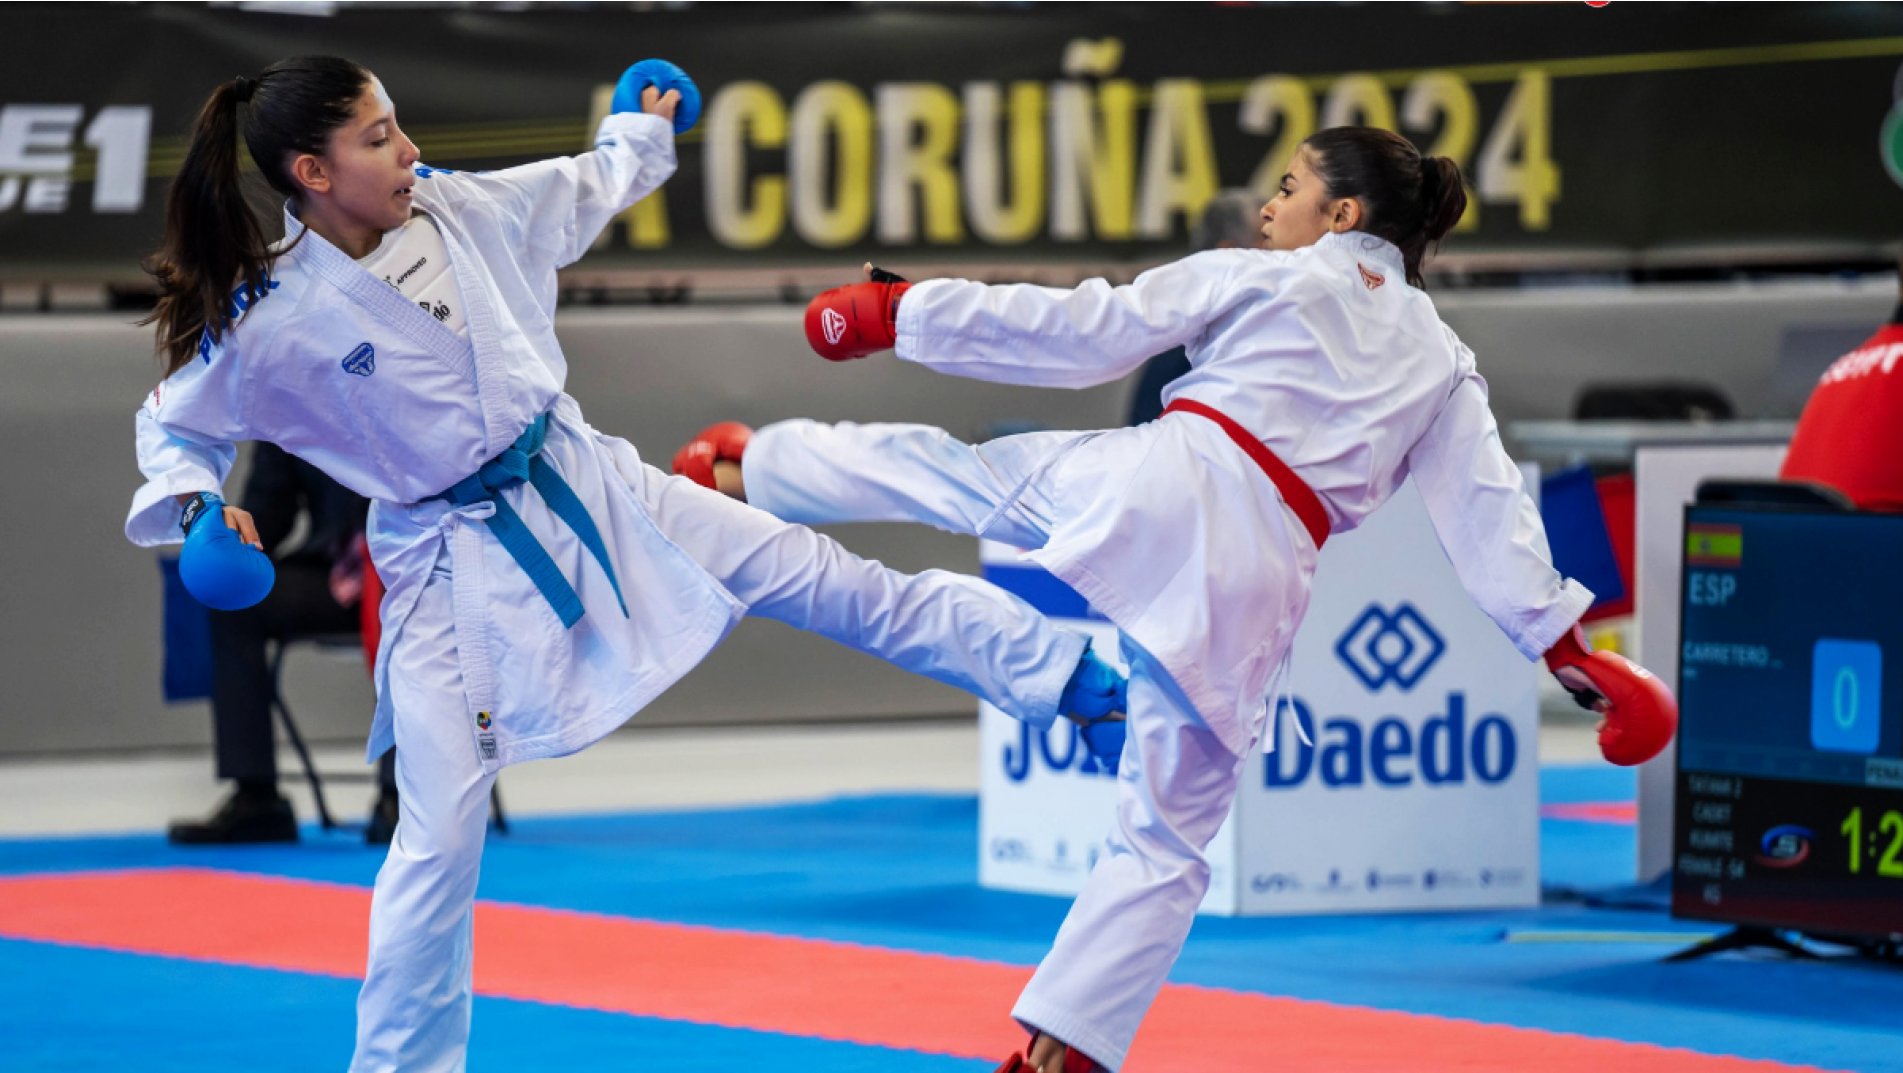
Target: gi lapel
column 384, row 301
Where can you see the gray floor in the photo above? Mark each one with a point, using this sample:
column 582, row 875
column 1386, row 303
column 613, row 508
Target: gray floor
column 634, row 769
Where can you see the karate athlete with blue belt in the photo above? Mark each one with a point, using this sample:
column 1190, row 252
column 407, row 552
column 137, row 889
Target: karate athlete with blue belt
column 1320, row 377
column 544, row 584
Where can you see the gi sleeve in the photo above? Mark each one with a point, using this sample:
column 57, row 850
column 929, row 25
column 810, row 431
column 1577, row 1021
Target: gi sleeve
column 558, row 206
column 1487, row 524
column 185, row 435
column 1050, row 337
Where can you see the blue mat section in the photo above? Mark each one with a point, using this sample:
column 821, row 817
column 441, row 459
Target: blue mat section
column 1571, row 784
column 900, row 871
column 121, row 1012
column 1577, row 856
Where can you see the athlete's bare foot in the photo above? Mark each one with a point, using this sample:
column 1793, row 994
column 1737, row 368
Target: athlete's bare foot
column 1049, row 1055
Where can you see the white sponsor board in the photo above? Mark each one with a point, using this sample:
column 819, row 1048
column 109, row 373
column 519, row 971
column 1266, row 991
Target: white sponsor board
column 1421, row 788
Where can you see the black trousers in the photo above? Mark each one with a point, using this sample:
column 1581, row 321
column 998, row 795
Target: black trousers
column 300, row 605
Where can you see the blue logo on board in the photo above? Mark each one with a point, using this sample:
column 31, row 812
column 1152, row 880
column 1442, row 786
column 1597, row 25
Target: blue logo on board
column 1383, row 647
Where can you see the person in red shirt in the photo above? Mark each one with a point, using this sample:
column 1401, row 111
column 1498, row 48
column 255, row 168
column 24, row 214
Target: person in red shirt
column 1851, row 432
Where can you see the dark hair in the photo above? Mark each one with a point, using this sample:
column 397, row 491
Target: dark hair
column 1409, row 200
column 213, row 241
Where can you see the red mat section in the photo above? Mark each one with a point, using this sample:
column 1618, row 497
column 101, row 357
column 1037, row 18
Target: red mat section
column 800, row 987
column 1626, row 812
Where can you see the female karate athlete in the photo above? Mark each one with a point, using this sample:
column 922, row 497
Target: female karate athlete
column 543, row 583
column 1320, row 378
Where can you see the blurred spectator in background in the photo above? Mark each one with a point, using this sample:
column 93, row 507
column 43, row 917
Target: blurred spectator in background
column 1231, row 220
column 1850, row 436
column 320, row 585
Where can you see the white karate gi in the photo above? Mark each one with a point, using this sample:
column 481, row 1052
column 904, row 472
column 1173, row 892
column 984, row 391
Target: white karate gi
column 1344, row 372
column 475, row 670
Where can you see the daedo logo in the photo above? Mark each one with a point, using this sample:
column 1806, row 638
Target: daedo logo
column 1383, row 647
column 1398, row 647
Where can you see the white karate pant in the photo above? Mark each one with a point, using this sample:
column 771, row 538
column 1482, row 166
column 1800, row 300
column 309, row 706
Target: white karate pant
column 1176, row 779
column 414, row 1010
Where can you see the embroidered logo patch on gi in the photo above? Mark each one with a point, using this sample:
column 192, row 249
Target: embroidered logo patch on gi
column 1372, row 279
column 483, row 720
column 362, row 361
column 833, row 325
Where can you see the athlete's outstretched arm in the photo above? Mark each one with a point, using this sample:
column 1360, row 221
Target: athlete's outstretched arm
column 1043, row 336
column 557, row 207
column 1489, row 526
column 1023, row 334
column 1491, row 531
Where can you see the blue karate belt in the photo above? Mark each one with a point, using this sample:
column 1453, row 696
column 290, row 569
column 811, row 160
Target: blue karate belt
column 523, row 461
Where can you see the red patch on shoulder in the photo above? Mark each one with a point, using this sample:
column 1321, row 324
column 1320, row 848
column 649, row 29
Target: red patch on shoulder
column 1372, row 279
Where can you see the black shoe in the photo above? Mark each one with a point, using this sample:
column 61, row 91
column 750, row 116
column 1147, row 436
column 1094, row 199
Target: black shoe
column 243, row 818
column 382, row 826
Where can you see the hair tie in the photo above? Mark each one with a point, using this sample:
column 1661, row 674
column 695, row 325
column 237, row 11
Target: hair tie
column 243, row 88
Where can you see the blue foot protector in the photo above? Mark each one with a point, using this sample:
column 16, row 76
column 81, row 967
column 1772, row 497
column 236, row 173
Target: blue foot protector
column 1095, row 698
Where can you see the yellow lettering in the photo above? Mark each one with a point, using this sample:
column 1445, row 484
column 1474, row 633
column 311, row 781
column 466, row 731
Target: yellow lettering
column 1179, row 157
column 829, row 159
column 1358, row 100
column 743, row 115
column 1093, row 159
column 1278, row 104
column 991, row 218
column 922, row 164
column 1447, row 95
column 1525, row 126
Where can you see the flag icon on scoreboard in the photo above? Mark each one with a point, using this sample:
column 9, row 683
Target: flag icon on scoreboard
column 1714, row 545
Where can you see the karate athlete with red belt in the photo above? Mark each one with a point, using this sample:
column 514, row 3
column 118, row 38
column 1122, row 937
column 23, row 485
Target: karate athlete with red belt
column 1321, row 377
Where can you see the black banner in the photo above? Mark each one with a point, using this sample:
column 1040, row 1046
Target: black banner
column 1044, row 134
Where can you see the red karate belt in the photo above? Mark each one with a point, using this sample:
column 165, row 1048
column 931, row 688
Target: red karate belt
column 1295, row 491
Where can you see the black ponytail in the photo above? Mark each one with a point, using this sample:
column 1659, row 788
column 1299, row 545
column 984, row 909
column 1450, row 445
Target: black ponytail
column 212, row 239
column 1443, row 196
column 214, row 243
column 1409, row 200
